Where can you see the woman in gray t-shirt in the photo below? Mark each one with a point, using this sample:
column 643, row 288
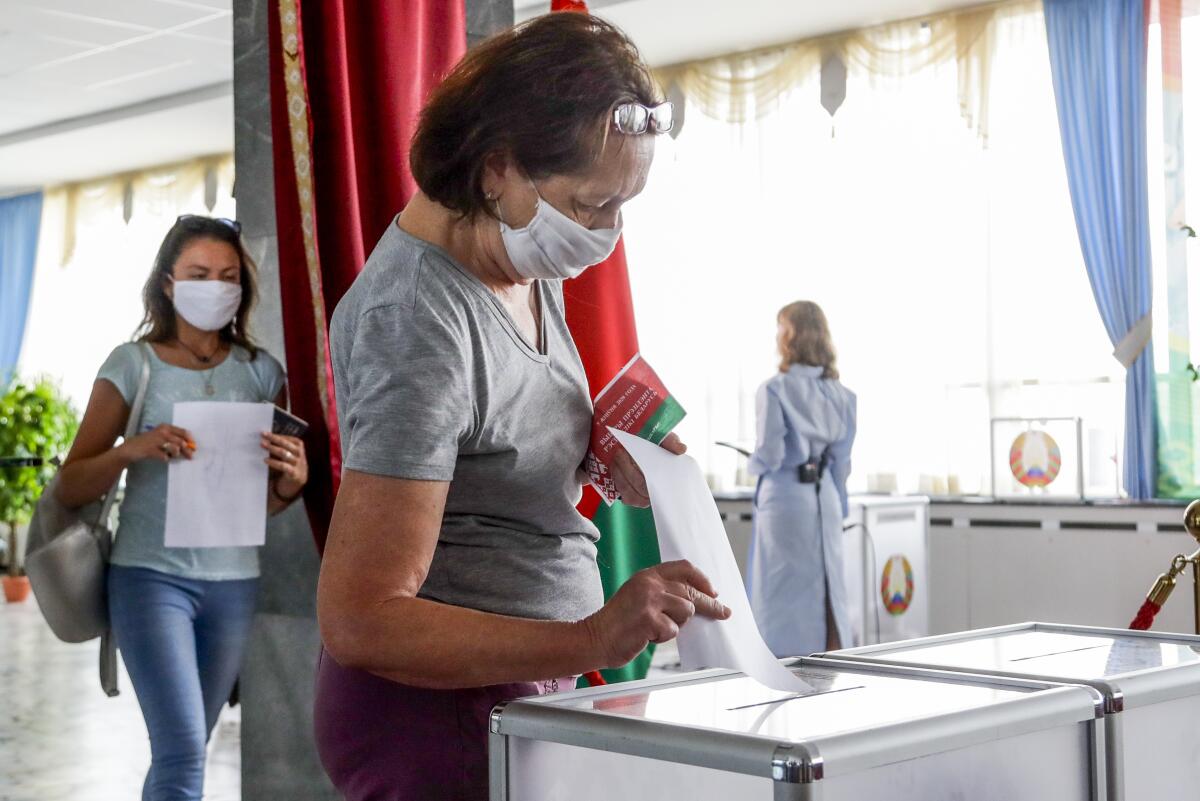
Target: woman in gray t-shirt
column 457, row 572
column 180, row 616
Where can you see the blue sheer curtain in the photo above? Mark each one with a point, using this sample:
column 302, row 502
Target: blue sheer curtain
column 1098, row 63
column 20, row 220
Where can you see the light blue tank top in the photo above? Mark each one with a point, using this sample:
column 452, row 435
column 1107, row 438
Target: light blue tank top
column 142, row 514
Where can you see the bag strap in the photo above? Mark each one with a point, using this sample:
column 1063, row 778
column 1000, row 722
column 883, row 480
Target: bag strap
column 131, row 427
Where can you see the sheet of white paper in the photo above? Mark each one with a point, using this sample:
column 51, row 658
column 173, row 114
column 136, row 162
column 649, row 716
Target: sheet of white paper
column 218, row 498
column 689, row 527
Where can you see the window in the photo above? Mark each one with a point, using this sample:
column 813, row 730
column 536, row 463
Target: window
column 80, row 311
column 950, row 272
column 1178, row 395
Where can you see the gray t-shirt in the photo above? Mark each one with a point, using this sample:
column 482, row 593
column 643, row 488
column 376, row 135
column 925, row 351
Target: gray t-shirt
column 143, row 511
column 434, row 382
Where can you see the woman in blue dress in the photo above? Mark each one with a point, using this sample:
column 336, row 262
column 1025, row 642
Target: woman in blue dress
column 806, row 427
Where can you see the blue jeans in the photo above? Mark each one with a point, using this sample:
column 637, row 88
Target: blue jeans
column 182, row 642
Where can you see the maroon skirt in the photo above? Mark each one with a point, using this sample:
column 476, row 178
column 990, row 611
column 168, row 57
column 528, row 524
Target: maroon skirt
column 383, row 741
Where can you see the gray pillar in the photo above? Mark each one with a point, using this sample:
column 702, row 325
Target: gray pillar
column 279, row 761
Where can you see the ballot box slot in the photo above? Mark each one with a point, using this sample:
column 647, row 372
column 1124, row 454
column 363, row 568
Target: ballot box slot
column 797, row 697
column 1059, row 653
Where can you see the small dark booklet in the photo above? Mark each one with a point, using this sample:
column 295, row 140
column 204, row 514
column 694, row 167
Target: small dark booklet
column 288, row 424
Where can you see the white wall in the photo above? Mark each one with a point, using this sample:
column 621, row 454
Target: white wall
column 988, row 575
column 994, row 564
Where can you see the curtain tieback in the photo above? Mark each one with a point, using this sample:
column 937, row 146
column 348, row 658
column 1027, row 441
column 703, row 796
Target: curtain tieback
column 1134, row 342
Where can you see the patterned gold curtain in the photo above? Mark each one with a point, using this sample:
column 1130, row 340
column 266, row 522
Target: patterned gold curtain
column 746, row 86
column 118, row 197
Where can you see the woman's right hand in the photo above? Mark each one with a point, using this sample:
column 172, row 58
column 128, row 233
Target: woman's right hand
column 163, row 443
column 651, row 607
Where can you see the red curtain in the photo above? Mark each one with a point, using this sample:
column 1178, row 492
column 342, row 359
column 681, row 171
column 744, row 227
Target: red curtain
column 348, row 79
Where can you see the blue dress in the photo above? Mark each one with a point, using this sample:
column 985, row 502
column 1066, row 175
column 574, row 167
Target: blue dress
column 796, row 551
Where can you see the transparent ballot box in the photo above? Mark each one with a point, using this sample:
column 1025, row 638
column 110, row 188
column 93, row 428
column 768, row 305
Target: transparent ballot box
column 1150, row 683
column 862, row 732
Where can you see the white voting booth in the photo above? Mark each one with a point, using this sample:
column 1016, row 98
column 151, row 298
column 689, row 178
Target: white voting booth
column 1150, row 683
column 862, row 732
column 887, row 567
column 886, row 561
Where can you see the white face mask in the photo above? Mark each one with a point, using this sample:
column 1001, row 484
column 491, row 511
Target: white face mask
column 208, row 305
column 554, row 246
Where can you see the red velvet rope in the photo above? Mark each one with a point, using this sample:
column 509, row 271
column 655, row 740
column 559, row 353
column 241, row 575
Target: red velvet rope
column 1145, row 616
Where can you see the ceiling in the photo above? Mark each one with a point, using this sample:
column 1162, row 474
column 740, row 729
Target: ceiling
column 91, row 87
column 94, row 87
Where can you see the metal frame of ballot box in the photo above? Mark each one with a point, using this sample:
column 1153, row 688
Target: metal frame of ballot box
column 1123, row 693
column 797, row 770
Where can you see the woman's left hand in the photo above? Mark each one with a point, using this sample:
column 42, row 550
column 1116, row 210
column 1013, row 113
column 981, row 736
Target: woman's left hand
column 631, row 484
column 286, row 456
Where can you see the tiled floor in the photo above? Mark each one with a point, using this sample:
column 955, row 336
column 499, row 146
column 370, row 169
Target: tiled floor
column 61, row 739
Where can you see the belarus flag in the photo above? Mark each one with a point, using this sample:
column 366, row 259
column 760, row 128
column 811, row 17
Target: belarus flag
column 600, row 316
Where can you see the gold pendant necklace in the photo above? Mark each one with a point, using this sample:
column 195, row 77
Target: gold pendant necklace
column 206, row 376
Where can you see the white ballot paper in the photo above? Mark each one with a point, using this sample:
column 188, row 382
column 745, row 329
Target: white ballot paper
column 689, row 527
column 218, row 498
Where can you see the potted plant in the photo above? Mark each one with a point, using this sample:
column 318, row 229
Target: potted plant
column 37, row 421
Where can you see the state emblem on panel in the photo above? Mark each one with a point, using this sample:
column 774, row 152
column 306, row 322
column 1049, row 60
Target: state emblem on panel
column 896, row 586
column 1035, row 459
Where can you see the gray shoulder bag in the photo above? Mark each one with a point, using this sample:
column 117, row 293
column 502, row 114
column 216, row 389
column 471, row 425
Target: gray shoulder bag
column 67, row 559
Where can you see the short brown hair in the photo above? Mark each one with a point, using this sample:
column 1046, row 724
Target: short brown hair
column 544, row 91
column 808, row 340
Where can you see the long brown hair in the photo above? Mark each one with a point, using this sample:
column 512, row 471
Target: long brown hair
column 159, row 323
column 807, row 339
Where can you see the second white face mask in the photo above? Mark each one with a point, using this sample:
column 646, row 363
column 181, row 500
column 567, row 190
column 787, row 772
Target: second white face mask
column 553, row 246
column 208, row 305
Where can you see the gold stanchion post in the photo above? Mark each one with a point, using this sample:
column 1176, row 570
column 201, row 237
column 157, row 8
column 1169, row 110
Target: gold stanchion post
column 1191, row 522
column 1165, row 584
